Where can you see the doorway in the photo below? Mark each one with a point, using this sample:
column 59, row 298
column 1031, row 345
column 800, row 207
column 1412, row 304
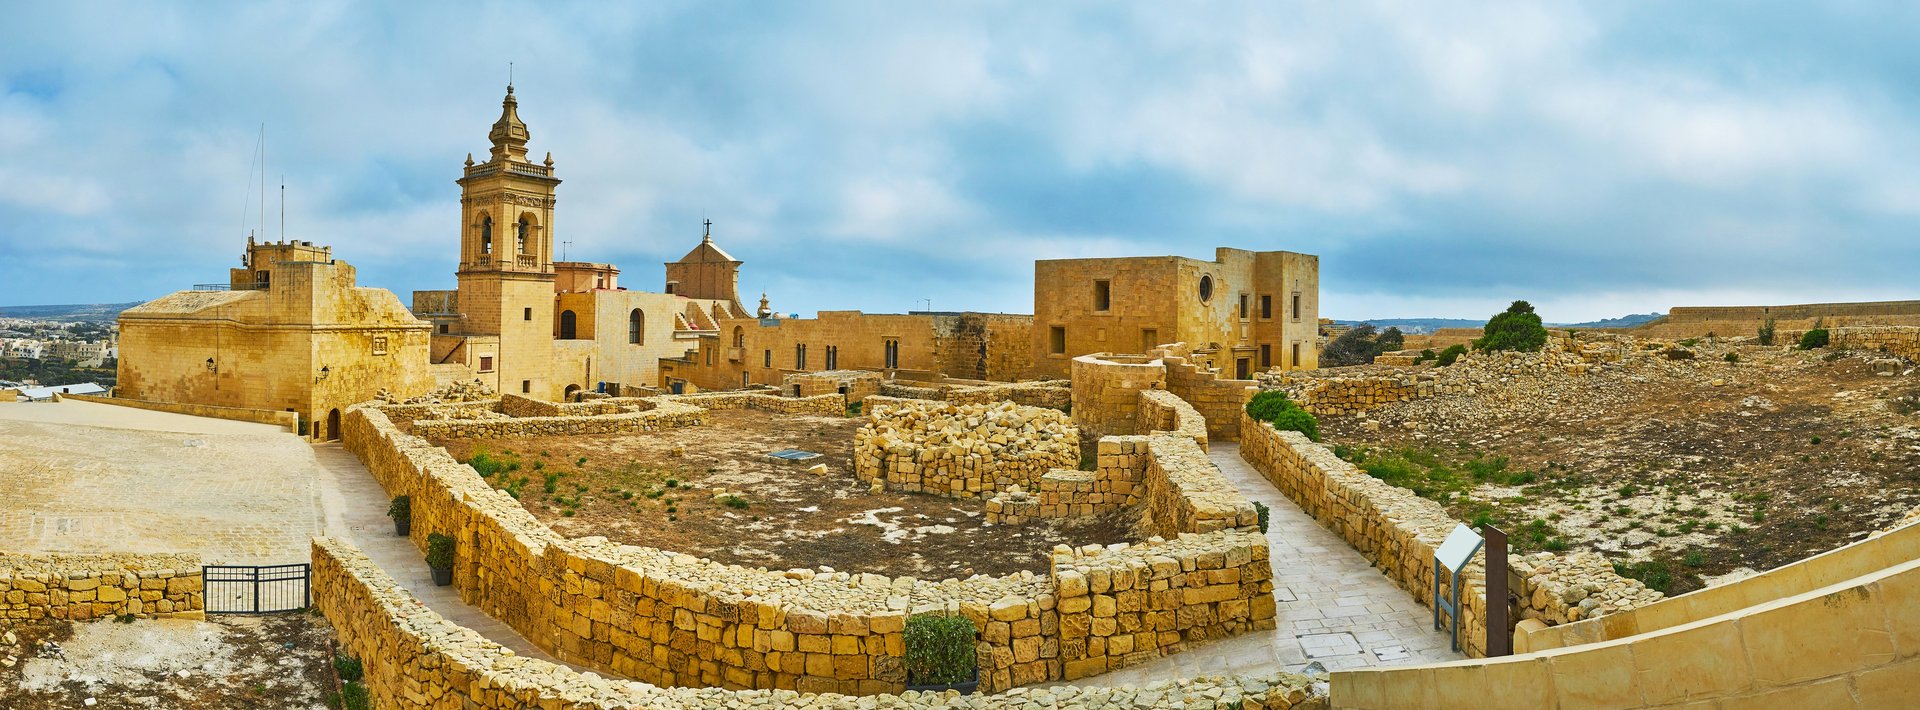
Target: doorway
column 333, row 425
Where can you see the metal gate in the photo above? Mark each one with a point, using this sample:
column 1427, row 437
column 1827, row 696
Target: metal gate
column 244, row 589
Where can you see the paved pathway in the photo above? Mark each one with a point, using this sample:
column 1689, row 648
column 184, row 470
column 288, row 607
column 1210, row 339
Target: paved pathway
column 356, row 510
column 1334, row 607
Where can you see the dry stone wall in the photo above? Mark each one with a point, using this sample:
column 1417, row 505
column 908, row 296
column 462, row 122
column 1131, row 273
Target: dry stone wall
column 961, row 450
column 414, row 658
column 1115, row 483
column 1106, row 392
column 1217, row 399
column 1399, row 531
column 1185, row 491
column 1162, row 411
column 93, row 586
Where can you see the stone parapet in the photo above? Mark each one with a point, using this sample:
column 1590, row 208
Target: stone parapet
column 1162, row 411
column 1186, row 493
column 92, row 586
column 961, row 450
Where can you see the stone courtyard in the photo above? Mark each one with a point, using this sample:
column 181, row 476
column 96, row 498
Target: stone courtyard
column 85, row 477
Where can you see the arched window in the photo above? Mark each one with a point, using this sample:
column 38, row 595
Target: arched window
column 567, row 322
column 636, row 322
column 739, row 337
column 486, row 235
column 520, row 236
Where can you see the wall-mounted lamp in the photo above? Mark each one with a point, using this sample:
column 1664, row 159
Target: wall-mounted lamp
column 324, row 371
column 212, row 367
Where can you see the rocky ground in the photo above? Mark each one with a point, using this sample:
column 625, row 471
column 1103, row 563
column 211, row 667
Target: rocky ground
column 710, row 491
column 277, row 661
column 1741, row 458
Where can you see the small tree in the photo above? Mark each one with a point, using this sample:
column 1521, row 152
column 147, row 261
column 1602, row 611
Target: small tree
column 1269, row 404
column 1300, row 420
column 1390, row 340
column 1766, row 332
column 1517, row 328
column 1816, row 338
column 939, row 650
column 1452, row 353
column 1354, row 347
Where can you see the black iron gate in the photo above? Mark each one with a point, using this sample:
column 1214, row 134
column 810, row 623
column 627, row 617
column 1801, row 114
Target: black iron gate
column 244, row 589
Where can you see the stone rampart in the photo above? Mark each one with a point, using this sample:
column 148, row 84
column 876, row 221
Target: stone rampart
column 961, row 450
column 1217, row 399
column 93, row 586
column 392, row 632
column 1845, row 645
column 1106, row 392
column 289, row 420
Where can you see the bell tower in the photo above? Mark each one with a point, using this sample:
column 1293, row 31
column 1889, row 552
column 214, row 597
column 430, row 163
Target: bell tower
column 506, row 256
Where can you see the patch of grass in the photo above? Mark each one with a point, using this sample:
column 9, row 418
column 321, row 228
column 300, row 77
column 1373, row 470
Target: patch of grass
column 673, row 483
column 1653, row 573
column 1694, row 558
column 348, row 667
column 735, row 502
column 489, row 465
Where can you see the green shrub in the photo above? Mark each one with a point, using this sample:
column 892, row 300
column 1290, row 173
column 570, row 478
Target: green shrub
column 735, row 502
column 355, row 697
column 1653, row 573
column 1766, row 332
column 439, row 550
column 348, row 668
column 1299, row 420
column 1263, row 511
column 939, row 650
column 1732, row 357
column 1269, row 404
column 401, row 509
column 1816, row 338
column 1517, row 328
column 853, row 408
column 1452, row 353
column 1424, row 356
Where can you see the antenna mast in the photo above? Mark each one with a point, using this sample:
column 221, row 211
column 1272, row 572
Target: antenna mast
column 263, row 179
column 283, row 208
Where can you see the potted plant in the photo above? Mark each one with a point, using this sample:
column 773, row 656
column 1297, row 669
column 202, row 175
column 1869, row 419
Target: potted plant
column 440, row 558
column 401, row 510
column 940, row 654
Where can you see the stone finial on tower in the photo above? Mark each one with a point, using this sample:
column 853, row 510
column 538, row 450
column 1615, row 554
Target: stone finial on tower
column 766, row 310
column 509, row 134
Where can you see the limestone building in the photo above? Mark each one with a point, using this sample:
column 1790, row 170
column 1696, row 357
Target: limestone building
column 524, row 323
column 765, row 350
column 1243, row 312
column 291, row 331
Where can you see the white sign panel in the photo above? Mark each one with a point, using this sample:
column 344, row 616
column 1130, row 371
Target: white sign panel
column 1459, row 547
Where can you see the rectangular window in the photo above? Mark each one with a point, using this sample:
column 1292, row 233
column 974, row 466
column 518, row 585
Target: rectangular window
column 1243, row 306
column 526, row 387
column 486, row 363
column 768, row 360
column 1266, row 356
column 891, row 351
column 1296, row 354
column 443, row 329
column 1266, row 306
column 379, row 345
column 1057, row 340
column 1296, row 305
column 1149, row 337
column 833, row 357
column 710, row 351
column 526, row 314
column 1102, row 295
column 799, row 357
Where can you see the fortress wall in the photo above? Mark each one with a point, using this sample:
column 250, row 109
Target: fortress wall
column 673, row 619
column 97, row 586
column 1850, row 644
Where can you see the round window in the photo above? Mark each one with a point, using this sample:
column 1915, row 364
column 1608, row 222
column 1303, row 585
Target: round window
column 1206, row 288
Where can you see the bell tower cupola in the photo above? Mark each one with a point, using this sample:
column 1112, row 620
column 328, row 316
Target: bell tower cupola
column 506, row 220
column 509, row 134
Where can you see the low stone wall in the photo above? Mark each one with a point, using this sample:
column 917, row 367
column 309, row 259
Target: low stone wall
column 961, row 450
column 1122, row 606
column 1162, row 411
column 1185, row 491
column 824, row 405
column 289, row 420
column 1347, row 395
column 1900, row 341
column 1052, row 394
column 391, row 632
column 673, row 619
column 1120, row 462
column 901, row 391
column 1399, row 531
column 1216, row 398
column 1106, row 392
column 663, row 415
column 856, row 384
column 93, row 586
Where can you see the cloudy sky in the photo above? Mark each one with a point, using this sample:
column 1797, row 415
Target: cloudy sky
column 1442, row 159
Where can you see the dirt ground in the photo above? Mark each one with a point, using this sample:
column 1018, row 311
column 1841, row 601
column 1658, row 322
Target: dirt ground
column 277, row 661
column 670, row 490
column 1686, row 482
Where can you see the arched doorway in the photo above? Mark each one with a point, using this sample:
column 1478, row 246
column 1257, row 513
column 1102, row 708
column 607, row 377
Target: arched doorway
column 570, row 390
column 567, row 325
column 333, row 425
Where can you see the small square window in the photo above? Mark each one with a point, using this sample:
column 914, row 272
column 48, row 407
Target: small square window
column 379, row 345
column 1057, row 340
column 526, row 387
column 486, row 363
column 1102, row 295
column 1266, row 306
